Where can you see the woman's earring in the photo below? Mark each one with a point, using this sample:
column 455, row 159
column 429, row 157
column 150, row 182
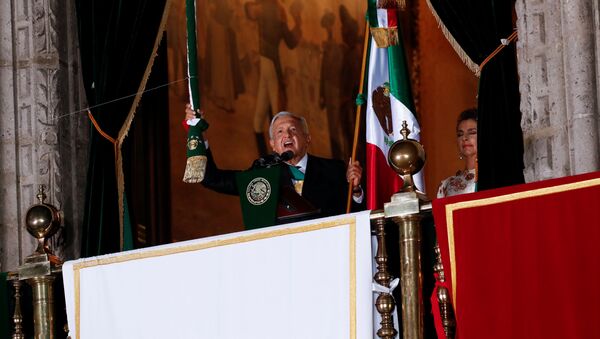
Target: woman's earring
column 460, row 156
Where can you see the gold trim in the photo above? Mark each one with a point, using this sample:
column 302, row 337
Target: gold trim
column 384, row 4
column 466, row 59
column 351, row 221
column 401, row 4
column 451, row 208
column 195, row 168
column 385, row 36
column 120, row 175
column 77, row 284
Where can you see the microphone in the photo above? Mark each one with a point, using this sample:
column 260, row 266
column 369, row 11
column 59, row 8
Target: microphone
column 272, row 159
column 287, row 155
column 263, row 161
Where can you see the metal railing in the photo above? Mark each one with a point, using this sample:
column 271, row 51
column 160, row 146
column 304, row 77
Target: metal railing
column 408, row 250
column 405, row 211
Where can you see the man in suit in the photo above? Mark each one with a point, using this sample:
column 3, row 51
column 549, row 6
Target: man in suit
column 322, row 182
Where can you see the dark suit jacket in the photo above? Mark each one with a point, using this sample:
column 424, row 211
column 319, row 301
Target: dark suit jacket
column 324, row 185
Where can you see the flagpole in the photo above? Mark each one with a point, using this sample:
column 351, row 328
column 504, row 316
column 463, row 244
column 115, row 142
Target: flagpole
column 196, row 149
column 358, row 108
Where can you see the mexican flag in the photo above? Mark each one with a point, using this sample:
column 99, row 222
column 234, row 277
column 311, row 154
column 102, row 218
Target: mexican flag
column 389, row 102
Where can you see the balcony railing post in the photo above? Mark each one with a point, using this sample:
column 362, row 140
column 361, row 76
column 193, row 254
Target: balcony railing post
column 385, row 303
column 404, row 210
column 42, row 221
column 407, row 157
column 443, row 296
column 43, row 306
column 17, row 315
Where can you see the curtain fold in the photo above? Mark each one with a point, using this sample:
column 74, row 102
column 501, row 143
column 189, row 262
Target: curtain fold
column 5, row 318
column 475, row 27
column 117, row 40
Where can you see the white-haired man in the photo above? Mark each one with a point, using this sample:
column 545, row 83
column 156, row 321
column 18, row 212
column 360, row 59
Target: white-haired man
column 323, row 182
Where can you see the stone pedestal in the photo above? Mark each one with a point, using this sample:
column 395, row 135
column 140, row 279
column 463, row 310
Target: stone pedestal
column 43, row 139
column 558, row 57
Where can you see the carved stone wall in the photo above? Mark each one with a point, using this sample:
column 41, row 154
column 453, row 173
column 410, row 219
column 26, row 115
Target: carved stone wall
column 43, row 138
column 559, row 83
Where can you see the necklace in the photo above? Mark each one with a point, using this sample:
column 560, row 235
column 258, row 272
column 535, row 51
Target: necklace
column 468, row 175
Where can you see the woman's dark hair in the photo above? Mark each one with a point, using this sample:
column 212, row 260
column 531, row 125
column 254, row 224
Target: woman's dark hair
column 467, row 114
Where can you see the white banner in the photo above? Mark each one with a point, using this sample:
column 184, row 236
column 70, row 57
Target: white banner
column 303, row 280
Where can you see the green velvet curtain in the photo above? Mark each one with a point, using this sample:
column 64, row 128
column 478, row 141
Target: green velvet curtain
column 116, row 40
column 5, row 318
column 477, row 27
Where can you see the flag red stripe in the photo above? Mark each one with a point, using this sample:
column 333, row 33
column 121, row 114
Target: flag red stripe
column 392, row 14
column 382, row 181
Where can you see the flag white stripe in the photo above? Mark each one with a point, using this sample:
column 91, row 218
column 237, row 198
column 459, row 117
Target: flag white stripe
column 379, row 74
column 382, row 18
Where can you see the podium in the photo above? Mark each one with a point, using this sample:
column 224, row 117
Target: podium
column 268, row 198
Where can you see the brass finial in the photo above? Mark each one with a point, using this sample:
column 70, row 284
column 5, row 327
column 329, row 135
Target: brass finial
column 405, row 131
column 406, row 156
column 42, row 221
column 41, row 196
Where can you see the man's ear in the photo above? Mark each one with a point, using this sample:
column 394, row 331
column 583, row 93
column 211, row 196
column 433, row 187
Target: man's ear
column 308, row 139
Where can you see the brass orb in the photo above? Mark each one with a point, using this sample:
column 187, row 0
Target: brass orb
column 42, row 221
column 385, row 303
column 406, row 156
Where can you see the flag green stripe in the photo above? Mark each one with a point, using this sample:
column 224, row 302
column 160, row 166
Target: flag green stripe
column 4, row 313
column 399, row 77
column 372, row 13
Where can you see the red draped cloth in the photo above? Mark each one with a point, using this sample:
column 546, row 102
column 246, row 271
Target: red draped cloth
column 523, row 261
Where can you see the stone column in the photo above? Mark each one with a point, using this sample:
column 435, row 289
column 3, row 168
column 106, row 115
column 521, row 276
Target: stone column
column 559, row 84
column 43, row 139
column 582, row 83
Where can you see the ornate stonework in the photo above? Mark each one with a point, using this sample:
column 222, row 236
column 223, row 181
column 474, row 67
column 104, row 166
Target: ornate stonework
column 559, row 83
column 43, row 136
column 39, row 68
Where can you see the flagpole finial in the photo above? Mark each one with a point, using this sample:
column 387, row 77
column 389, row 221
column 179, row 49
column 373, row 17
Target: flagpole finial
column 401, row 4
column 406, row 157
column 405, row 131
